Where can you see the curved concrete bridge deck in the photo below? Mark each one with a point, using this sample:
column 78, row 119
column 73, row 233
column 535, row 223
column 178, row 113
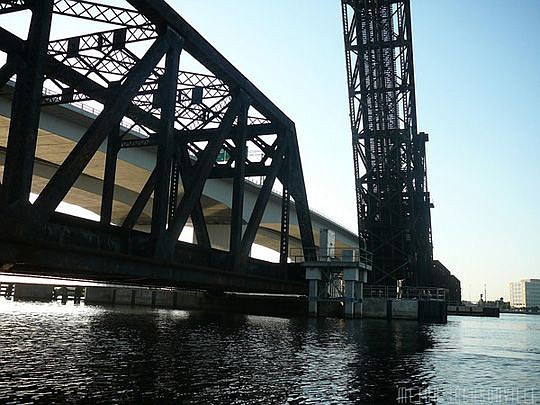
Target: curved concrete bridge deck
column 62, row 126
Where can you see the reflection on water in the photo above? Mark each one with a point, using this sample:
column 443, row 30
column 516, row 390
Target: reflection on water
column 53, row 352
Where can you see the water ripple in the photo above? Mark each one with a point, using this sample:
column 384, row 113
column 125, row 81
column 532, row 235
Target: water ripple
column 55, row 353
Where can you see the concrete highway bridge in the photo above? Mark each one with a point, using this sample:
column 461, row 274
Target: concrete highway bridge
column 62, row 126
column 164, row 146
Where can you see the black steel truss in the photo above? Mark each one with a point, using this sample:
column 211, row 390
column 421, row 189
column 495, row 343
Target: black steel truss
column 389, row 154
column 189, row 118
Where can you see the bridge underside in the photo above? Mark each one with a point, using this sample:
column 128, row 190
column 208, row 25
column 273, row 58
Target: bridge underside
column 203, row 124
column 75, row 248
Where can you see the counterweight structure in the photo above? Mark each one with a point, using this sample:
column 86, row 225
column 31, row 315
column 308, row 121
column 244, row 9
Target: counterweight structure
column 389, row 154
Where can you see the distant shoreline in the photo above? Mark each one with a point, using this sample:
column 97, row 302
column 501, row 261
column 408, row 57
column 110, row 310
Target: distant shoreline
column 505, row 311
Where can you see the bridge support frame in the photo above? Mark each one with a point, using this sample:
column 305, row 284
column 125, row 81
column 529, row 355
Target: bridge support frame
column 335, row 283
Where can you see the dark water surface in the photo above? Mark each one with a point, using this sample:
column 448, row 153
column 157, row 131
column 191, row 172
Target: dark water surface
column 54, row 353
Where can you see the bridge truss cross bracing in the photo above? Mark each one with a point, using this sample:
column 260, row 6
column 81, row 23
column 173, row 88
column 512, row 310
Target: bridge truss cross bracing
column 389, row 154
column 131, row 71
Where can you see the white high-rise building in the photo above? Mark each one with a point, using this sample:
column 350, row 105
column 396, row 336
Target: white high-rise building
column 525, row 293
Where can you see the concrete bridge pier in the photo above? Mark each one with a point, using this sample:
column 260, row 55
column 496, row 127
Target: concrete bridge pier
column 354, row 280
column 338, row 286
column 220, row 236
column 314, row 277
column 34, row 292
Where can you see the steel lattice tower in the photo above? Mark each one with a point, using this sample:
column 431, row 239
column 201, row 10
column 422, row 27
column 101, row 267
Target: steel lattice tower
column 392, row 196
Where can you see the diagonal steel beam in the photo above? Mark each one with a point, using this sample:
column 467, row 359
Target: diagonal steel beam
column 262, row 200
column 203, row 169
column 109, row 176
column 297, row 188
column 138, row 206
column 7, row 71
column 237, row 212
column 115, row 109
column 162, row 14
column 10, row 43
column 197, row 215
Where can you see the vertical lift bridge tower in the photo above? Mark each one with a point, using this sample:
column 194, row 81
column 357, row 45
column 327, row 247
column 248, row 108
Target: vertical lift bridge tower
column 392, row 196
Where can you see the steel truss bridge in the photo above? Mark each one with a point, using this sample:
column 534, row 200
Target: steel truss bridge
column 131, row 73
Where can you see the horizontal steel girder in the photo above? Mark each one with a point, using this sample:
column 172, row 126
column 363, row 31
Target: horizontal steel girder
column 46, row 259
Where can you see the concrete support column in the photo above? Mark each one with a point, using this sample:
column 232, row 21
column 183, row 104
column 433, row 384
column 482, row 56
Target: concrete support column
column 354, row 279
column 314, row 277
column 313, row 304
column 64, row 295
column 351, row 277
column 100, row 295
column 350, row 298
column 358, row 308
column 34, row 292
column 220, row 236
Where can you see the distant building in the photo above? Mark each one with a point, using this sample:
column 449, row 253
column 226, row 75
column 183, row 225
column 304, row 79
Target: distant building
column 525, row 293
column 500, row 303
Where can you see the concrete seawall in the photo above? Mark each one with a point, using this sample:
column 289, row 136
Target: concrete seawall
column 199, row 300
column 256, row 304
column 468, row 310
column 411, row 309
column 33, row 292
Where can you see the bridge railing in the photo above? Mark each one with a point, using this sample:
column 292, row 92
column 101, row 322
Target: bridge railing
column 420, row 293
column 345, row 255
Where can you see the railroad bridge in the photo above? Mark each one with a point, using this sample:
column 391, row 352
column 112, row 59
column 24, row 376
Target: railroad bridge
column 143, row 122
column 161, row 94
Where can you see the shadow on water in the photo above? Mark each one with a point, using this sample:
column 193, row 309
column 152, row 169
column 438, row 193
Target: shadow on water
column 388, row 355
column 364, row 360
column 108, row 355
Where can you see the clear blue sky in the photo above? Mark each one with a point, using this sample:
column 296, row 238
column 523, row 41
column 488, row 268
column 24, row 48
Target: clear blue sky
column 478, row 89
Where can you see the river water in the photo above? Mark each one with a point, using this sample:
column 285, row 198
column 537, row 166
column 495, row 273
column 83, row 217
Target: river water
column 54, row 353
